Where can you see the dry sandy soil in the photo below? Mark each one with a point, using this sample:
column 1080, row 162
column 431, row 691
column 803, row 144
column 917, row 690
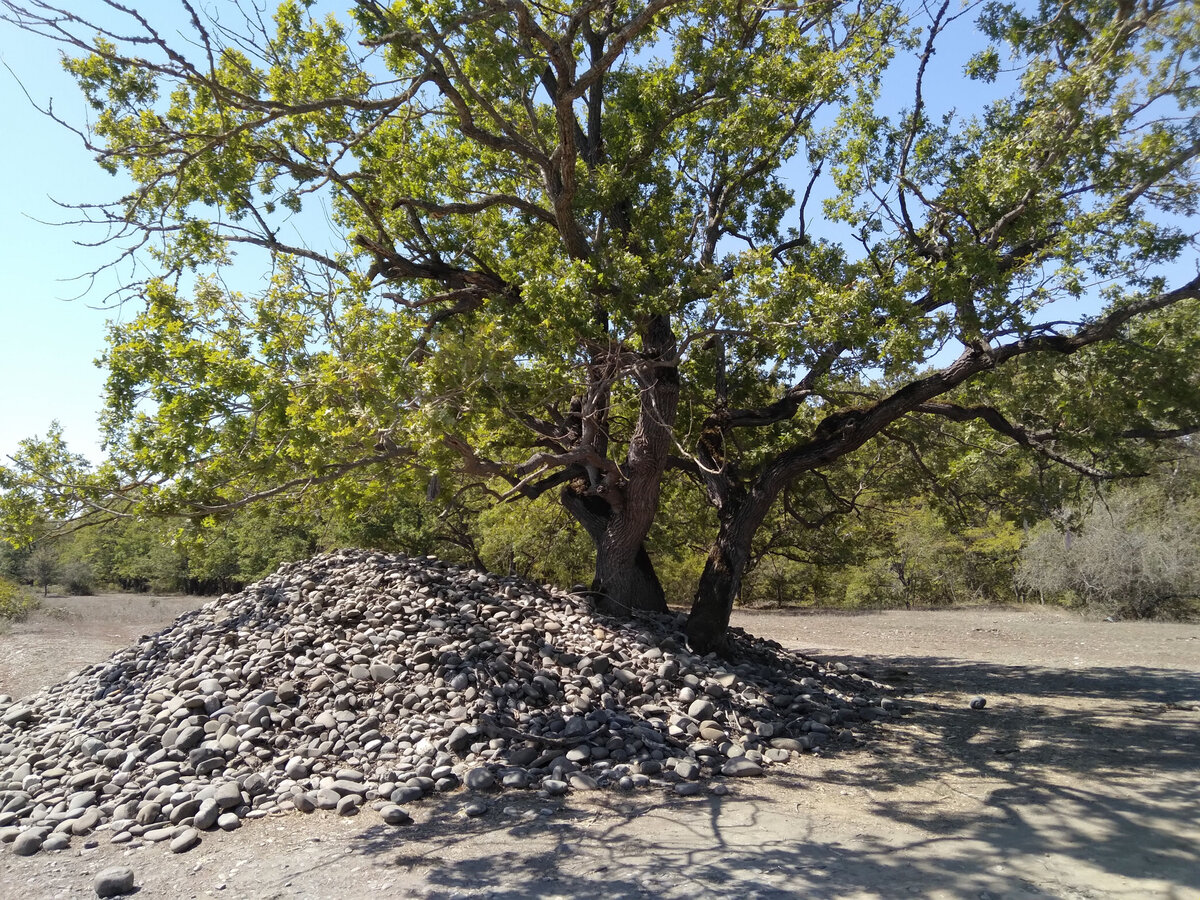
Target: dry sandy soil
column 1080, row 779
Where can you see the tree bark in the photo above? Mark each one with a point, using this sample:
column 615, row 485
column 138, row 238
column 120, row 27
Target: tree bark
column 618, row 507
column 721, row 581
column 625, row 580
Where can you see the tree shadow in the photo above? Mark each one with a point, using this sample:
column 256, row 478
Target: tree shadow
column 1087, row 773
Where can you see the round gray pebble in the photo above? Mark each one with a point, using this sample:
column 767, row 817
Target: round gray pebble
column 115, row 881
column 29, row 842
column 395, row 815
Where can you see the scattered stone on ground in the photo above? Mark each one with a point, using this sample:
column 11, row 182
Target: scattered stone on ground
column 358, row 678
column 114, row 882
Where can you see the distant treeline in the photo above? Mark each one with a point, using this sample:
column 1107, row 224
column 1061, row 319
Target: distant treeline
column 892, row 532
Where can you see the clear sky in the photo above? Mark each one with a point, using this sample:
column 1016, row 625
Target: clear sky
column 47, row 340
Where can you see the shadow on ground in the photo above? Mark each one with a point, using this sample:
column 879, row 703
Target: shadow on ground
column 1071, row 783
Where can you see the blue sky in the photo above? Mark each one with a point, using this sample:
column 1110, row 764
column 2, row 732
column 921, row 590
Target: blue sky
column 47, row 340
column 53, row 322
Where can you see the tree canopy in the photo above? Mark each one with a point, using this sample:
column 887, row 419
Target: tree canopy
column 601, row 247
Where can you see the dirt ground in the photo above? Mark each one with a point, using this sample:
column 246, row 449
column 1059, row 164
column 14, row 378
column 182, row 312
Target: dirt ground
column 1080, row 779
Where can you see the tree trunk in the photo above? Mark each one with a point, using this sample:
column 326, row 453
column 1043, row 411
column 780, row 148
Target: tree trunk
column 623, row 586
column 625, row 580
column 721, row 581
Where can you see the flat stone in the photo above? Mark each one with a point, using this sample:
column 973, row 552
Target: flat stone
column 16, row 715
column 81, row 800
column 228, row 795
column 407, row 793
column 461, row 738
column 328, row 798
column 207, row 815
column 345, row 788
column 115, row 881
column 189, row 739
column 740, row 767
column 515, row 778
column 85, row 823
column 56, row 842
column 554, row 787
column 581, row 782
column 185, row 810
column 29, row 842
column 787, row 743
column 381, row 672
column 479, row 779
column 701, row 709
column 185, row 840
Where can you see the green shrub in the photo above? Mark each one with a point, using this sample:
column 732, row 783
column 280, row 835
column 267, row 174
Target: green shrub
column 15, row 602
column 78, row 579
column 536, row 540
column 898, row 556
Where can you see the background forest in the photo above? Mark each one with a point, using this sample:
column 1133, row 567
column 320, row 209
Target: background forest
column 966, row 522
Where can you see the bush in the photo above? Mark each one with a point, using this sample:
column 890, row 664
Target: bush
column 1135, row 557
column 536, row 540
column 15, row 602
column 78, row 579
column 42, row 567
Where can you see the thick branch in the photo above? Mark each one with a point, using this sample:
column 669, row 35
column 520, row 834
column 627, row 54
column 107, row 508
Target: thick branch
column 846, row 431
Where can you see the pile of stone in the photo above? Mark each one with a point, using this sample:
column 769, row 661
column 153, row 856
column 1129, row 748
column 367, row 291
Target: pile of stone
column 361, row 679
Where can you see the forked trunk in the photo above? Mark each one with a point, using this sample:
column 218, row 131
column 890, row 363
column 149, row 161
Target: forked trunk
column 625, row 580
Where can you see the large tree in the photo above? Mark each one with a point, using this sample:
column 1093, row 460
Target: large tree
column 590, row 246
